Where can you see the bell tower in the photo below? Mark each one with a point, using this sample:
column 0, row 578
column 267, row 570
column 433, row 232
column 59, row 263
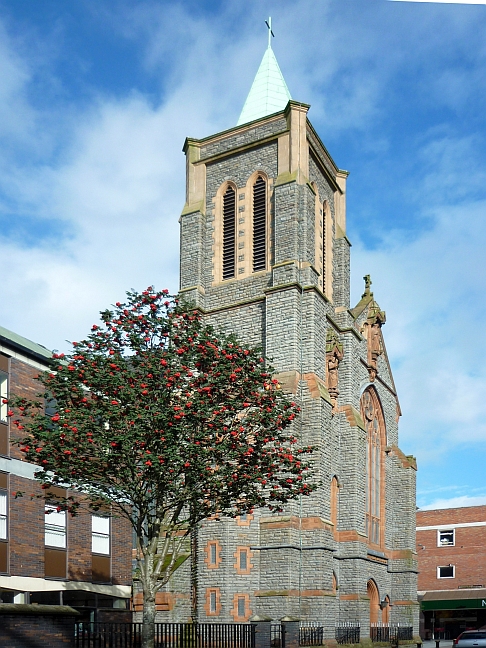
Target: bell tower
column 264, row 254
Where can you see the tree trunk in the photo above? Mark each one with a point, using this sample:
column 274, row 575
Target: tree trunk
column 194, row 574
column 148, row 619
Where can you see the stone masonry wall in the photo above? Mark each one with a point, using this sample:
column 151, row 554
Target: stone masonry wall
column 296, row 554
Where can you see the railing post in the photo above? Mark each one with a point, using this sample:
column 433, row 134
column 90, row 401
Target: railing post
column 290, row 632
column 262, row 631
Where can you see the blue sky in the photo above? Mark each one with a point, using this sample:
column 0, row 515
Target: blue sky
column 96, row 99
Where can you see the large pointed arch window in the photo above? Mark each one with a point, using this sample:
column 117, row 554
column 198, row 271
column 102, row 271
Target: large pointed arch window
column 259, row 224
column 229, row 233
column 373, row 419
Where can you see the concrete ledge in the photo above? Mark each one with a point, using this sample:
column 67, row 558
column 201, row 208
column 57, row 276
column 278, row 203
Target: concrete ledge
column 37, row 610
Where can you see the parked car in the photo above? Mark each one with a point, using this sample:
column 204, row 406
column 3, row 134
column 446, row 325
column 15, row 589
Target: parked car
column 471, row 639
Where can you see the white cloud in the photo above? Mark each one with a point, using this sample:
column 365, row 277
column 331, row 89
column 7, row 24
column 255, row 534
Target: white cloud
column 455, row 502
column 117, row 184
column 433, row 287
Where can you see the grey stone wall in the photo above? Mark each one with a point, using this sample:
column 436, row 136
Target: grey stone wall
column 283, row 312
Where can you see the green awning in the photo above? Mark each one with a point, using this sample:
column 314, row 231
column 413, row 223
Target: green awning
column 473, row 599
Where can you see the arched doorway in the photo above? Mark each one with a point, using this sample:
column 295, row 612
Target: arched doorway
column 373, row 595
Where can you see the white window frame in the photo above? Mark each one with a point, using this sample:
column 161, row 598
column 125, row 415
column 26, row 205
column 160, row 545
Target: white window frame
column 55, row 527
column 3, row 514
column 98, row 523
column 442, row 544
column 3, row 394
column 446, row 567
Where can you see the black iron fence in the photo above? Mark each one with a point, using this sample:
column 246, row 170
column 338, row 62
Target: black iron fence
column 348, row 633
column 311, row 635
column 225, row 635
column 277, row 639
column 386, row 632
column 167, row 635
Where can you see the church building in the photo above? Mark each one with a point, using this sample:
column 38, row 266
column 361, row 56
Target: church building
column 264, row 254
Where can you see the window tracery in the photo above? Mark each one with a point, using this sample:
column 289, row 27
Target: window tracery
column 373, row 419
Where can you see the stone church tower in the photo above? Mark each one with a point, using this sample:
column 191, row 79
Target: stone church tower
column 264, row 253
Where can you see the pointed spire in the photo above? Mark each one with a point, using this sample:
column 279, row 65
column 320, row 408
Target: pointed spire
column 268, row 93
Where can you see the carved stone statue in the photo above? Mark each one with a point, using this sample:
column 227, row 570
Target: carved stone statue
column 334, row 355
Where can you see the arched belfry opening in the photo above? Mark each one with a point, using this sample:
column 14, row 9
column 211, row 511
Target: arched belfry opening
column 259, row 224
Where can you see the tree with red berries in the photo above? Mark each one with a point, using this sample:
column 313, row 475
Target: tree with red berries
column 167, row 423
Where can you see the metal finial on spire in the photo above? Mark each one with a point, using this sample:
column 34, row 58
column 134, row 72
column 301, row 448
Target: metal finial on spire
column 268, row 23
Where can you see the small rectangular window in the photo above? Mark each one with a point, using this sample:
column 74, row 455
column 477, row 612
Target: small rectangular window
column 3, row 396
column 243, row 559
column 100, row 535
column 448, row 571
column 212, row 602
column 212, row 553
column 3, row 515
column 445, row 538
column 241, row 606
column 55, row 527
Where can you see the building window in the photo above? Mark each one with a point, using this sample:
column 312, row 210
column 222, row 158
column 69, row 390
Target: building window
column 213, row 554
column 259, row 224
column 100, row 549
column 448, row 571
column 334, row 502
column 3, row 406
column 100, row 535
column 244, row 519
column 3, row 523
column 243, row 557
column 373, row 419
column 3, row 396
column 55, row 553
column 229, row 233
column 445, row 538
column 213, row 601
column 55, row 527
column 241, row 608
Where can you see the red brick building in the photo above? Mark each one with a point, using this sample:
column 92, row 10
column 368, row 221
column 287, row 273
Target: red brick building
column 451, row 551
column 83, row 561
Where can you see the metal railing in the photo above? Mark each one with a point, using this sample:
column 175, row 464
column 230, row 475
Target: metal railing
column 388, row 632
column 167, row 635
column 311, row 635
column 348, row 632
column 277, row 639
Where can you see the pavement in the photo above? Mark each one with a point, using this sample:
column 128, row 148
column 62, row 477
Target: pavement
column 444, row 643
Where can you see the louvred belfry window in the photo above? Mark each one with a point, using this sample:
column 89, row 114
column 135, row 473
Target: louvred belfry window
column 229, row 233
column 259, row 224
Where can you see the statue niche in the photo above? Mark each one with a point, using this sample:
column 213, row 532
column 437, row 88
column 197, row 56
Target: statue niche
column 371, row 329
column 334, row 355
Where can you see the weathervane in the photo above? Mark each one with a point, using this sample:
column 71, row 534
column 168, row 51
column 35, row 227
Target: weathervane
column 268, row 23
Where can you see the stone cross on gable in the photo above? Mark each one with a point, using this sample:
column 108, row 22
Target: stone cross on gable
column 368, row 282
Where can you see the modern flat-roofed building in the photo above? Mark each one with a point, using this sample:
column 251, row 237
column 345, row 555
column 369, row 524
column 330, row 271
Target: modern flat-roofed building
column 451, row 551
column 83, row 561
